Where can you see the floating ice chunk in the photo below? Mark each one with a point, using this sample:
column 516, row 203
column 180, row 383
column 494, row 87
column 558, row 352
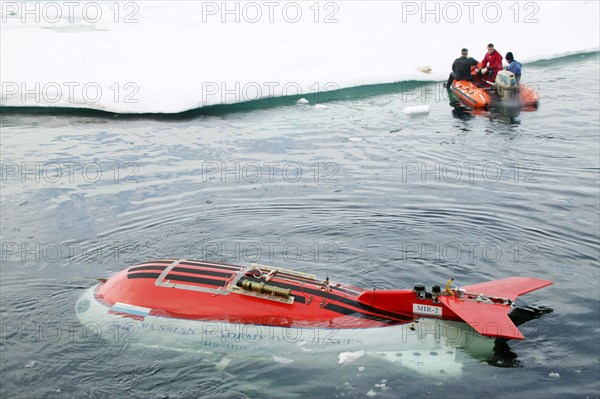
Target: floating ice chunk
column 320, row 106
column 371, row 393
column 361, row 368
column 223, row 363
column 554, row 375
column 349, row 357
column 417, row 110
column 282, row 360
column 302, row 101
column 355, row 139
column 30, row 364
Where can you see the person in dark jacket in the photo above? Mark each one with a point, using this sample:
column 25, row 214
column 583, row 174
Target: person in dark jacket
column 514, row 66
column 491, row 63
column 461, row 67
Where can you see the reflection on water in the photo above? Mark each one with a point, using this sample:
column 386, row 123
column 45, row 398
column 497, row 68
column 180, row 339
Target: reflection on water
column 507, row 113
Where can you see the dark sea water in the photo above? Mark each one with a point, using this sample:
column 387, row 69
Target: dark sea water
column 359, row 192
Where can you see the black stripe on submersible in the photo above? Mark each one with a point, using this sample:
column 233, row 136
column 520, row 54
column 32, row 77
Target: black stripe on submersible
column 176, row 277
column 136, row 268
column 323, row 294
column 160, row 262
column 197, row 280
column 143, row 275
column 201, row 272
column 183, row 270
column 209, row 265
column 355, row 313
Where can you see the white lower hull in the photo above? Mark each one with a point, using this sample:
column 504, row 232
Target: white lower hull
column 429, row 346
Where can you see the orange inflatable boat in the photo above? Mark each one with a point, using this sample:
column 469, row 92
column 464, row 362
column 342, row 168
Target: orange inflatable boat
column 471, row 95
column 503, row 91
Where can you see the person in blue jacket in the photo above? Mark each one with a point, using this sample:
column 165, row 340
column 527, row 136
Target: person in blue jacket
column 514, row 66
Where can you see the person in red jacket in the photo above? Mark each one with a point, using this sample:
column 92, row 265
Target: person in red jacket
column 491, row 63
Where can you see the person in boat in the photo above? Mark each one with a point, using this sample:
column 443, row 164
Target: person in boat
column 461, row 68
column 491, row 64
column 514, row 66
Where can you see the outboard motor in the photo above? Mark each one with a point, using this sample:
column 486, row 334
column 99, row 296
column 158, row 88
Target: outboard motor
column 506, row 85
